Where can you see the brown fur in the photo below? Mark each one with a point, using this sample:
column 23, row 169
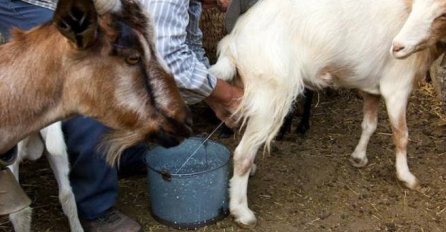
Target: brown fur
column 408, row 4
column 46, row 76
column 438, row 29
column 400, row 134
column 338, row 72
column 371, row 104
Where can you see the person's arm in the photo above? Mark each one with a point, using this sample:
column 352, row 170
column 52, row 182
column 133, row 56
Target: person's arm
column 171, row 19
column 224, row 101
column 190, row 69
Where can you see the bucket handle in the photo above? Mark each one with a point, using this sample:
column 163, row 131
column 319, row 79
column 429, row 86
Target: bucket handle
column 165, row 174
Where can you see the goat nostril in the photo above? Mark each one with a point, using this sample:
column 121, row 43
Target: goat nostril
column 397, row 47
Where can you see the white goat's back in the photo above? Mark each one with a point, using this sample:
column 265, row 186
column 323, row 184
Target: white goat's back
column 302, row 37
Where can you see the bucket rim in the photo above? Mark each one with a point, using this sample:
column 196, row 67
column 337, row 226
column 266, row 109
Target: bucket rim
column 194, row 173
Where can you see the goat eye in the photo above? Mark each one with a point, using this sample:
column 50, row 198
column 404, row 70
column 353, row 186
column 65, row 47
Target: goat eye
column 443, row 16
column 133, row 59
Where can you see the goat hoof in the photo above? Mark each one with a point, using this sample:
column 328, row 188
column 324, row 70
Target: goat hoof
column 414, row 185
column 409, row 180
column 246, row 226
column 244, row 217
column 249, row 222
column 358, row 163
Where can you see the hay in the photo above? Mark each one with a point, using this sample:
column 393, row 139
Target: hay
column 212, row 25
column 428, row 96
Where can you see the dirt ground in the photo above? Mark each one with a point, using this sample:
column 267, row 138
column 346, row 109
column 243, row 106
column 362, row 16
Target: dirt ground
column 307, row 184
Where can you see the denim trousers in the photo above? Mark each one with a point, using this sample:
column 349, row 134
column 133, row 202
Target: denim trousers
column 94, row 183
column 21, row 15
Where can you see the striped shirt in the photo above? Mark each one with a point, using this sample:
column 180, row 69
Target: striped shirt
column 179, row 41
column 50, row 4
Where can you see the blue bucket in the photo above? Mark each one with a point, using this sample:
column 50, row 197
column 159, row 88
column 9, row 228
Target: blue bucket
column 188, row 184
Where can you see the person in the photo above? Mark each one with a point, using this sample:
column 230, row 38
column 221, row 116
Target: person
column 178, row 39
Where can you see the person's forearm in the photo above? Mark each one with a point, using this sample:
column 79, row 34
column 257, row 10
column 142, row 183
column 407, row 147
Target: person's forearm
column 224, row 101
column 177, row 23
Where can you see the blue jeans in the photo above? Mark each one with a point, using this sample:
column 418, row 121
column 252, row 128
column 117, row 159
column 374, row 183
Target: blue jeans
column 21, row 15
column 94, row 183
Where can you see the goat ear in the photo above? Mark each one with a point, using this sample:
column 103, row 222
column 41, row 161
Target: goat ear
column 77, row 20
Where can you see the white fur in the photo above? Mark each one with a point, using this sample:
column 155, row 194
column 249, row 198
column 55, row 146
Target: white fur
column 105, row 6
column 32, row 148
column 279, row 46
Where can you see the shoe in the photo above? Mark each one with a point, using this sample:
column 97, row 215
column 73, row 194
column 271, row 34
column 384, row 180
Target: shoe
column 112, row 221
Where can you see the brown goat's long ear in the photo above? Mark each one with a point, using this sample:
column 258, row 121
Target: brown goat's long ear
column 77, row 20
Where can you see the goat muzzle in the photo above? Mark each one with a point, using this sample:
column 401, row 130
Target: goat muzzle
column 173, row 132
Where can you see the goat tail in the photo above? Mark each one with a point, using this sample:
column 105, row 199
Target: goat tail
column 225, row 68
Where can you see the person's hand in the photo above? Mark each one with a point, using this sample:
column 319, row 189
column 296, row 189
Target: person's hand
column 224, row 101
column 221, row 4
column 208, row 3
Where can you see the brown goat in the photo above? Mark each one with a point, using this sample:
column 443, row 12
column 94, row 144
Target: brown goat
column 103, row 65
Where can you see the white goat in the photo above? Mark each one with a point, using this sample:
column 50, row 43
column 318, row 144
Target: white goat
column 278, row 47
column 32, row 148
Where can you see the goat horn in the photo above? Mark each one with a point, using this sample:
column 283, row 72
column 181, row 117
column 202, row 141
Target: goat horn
column 104, row 6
